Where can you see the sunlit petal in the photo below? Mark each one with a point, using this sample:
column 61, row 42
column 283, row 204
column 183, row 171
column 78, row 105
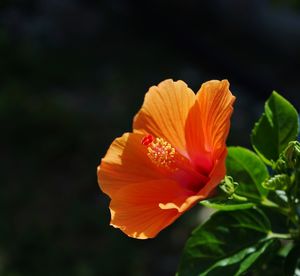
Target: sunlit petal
column 164, row 112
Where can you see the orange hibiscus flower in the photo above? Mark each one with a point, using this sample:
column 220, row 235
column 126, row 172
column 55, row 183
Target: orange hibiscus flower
column 174, row 157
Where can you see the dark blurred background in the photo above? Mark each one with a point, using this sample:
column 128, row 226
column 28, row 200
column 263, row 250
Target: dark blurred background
column 73, row 74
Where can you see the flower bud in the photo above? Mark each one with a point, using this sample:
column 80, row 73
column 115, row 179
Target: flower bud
column 292, row 154
column 228, row 185
column 289, row 158
column 277, row 182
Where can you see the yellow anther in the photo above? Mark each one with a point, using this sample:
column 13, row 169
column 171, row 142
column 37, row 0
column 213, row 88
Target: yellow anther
column 161, row 153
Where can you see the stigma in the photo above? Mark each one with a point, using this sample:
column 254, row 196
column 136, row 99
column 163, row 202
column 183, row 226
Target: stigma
column 160, row 152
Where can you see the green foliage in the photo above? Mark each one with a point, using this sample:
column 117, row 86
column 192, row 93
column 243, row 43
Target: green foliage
column 275, row 129
column 257, row 206
column 248, row 170
column 229, row 243
column 270, row 267
column 292, row 263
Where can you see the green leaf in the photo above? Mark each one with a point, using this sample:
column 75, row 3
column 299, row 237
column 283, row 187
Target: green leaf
column 228, row 243
column 226, row 204
column 277, row 126
column 248, row 170
column 292, row 263
column 242, row 261
column 265, row 247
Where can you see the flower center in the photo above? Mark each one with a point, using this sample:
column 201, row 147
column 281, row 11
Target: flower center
column 160, row 152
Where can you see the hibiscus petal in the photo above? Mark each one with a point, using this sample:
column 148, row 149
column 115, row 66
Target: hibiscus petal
column 164, row 112
column 125, row 163
column 208, row 123
column 142, row 210
column 216, row 176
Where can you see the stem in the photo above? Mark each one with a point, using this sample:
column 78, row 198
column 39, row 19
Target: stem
column 239, row 198
column 272, row 235
column 268, row 203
